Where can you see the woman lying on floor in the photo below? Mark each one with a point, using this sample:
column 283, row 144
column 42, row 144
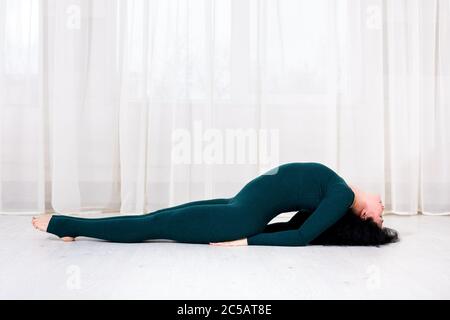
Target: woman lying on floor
column 330, row 212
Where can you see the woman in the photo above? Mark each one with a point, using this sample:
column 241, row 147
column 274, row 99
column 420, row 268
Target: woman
column 330, row 212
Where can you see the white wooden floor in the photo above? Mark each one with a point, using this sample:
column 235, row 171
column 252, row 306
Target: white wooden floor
column 37, row 265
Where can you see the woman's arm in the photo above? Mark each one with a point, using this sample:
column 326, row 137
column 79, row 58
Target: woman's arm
column 333, row 206
column 294, row 223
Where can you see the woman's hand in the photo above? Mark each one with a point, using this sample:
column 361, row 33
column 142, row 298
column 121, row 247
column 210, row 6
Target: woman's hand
column 234, row 243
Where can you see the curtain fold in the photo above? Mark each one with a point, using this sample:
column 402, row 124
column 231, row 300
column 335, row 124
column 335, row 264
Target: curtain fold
column 131, row 105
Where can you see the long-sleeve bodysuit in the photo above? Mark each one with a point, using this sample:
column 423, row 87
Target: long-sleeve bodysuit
column 290, row 187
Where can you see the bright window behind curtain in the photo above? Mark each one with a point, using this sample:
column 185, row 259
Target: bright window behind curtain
column 21, row 32
column 92, row 94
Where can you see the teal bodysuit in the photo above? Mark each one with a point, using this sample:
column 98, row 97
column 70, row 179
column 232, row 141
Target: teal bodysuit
column 290, row 187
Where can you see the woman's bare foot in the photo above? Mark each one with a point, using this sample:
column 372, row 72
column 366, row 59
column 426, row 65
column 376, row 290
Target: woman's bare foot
column 41, row 223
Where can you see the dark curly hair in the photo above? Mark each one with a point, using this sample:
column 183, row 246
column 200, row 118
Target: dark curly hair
column 350, row 230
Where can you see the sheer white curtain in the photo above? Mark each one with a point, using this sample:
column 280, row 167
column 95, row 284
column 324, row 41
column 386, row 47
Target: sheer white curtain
column 129, row 106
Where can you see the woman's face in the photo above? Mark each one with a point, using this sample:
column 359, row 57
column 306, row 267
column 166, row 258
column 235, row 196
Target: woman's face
column 373, row 209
